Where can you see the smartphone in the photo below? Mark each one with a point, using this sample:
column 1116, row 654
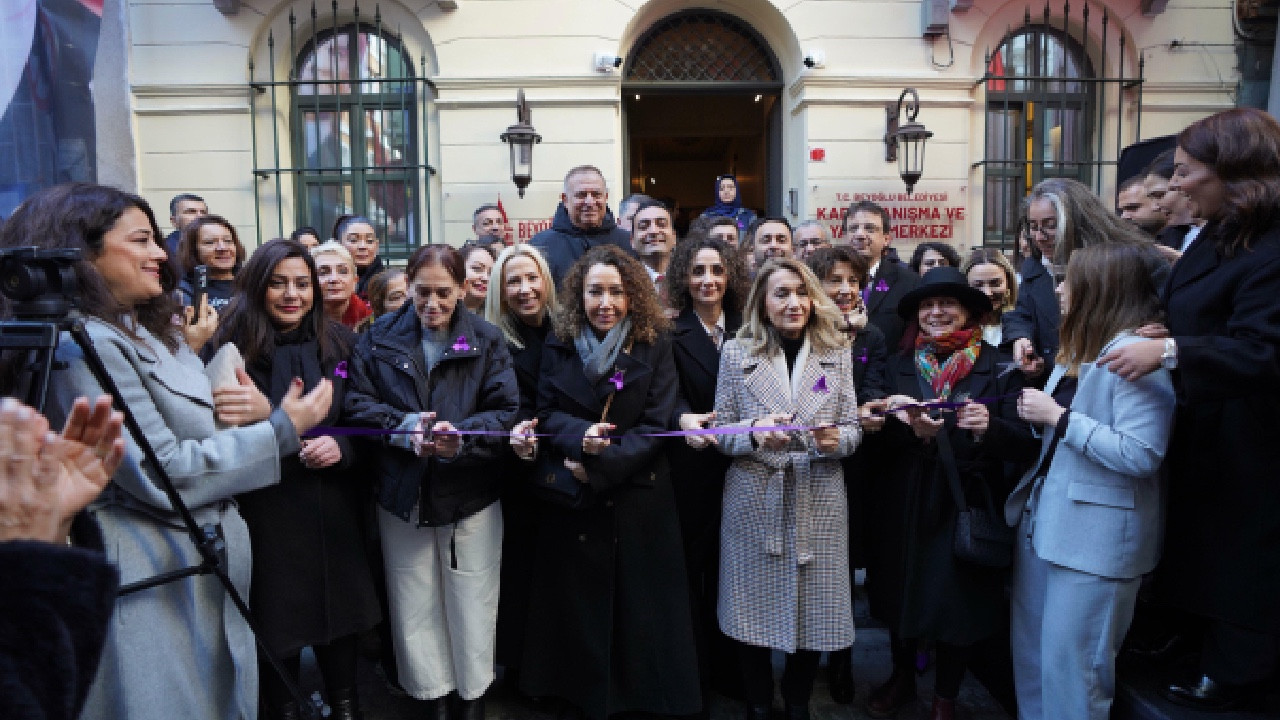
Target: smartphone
column 200, row 290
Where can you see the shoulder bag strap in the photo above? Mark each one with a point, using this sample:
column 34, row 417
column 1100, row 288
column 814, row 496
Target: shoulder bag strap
column 945, row 453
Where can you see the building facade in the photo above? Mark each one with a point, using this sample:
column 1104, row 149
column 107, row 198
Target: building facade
column 283, row 113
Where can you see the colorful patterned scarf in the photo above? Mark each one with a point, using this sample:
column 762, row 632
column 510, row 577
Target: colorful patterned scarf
column 961, row 347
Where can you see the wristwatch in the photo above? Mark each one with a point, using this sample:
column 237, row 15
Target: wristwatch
column 1169, row 359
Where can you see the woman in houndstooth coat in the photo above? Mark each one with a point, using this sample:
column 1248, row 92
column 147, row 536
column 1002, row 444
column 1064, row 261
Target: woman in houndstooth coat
column 784, row 547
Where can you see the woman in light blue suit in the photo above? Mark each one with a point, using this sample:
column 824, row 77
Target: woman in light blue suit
column 1089, row 513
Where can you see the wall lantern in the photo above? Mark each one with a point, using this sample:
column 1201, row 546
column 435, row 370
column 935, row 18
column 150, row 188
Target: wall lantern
column 905, row 143
column 521, row 137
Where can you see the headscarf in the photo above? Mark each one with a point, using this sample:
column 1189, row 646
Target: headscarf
column 599, row 356
column 723, row 209
column 961, row 348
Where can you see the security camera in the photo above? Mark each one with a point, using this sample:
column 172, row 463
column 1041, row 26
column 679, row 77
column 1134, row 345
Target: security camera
column 607, row 62
column 815, row 59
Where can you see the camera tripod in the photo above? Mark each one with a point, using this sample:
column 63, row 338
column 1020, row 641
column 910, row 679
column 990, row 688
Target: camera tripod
column 35, row 336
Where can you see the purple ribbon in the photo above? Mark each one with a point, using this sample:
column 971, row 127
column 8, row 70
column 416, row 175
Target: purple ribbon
column 821, row 385
column 340, row 370
column 735, row 430
column 461, row 345
column 616, row 379
column 882, row 286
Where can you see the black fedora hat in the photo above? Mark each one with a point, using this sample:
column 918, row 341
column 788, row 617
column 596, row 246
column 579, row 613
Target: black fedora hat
column 945, row 281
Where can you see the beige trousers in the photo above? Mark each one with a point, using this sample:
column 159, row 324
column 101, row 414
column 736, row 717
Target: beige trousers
column 442, row 586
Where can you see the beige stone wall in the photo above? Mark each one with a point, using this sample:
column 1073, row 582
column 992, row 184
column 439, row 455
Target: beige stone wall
column 188, row 71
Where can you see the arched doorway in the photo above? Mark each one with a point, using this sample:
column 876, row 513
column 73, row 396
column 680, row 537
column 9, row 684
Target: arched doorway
column 702, row 97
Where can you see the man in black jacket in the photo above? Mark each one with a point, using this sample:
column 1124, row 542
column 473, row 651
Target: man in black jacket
column 582, row 221
column 869, row 230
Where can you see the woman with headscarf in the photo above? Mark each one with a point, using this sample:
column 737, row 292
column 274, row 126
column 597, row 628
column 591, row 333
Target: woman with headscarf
column 729, row 204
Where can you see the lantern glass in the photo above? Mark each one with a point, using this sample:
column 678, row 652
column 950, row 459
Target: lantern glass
column 911, row 140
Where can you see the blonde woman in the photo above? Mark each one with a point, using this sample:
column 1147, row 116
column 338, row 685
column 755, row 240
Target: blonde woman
column 784, row 548
column 989, row 271
column 338, row 284
column 521, row 295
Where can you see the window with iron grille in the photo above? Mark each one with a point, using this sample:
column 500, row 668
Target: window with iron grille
column 701, row 46
column 1045, row 113
column 356, row 136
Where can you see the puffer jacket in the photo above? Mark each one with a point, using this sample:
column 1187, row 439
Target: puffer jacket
column 472, row 386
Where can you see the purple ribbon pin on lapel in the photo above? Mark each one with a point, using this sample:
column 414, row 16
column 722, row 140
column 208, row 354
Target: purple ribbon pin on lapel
column 863, row 357
column 882, row 286
column 616, row 379
column 340, row 370
column 461, row 345
column 821, row 385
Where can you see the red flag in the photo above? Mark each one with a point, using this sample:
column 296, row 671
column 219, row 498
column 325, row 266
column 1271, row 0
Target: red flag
column 996, row 69
column 507, row 238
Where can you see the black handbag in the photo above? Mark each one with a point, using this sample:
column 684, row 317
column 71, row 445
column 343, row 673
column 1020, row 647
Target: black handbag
column 981, row 536
column 555, row 483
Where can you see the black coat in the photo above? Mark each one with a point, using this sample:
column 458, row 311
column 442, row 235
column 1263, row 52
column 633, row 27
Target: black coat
column 891, row 281
column 519, row 509
column 473, row 388
column 1222, row 546
column 611, row 626
column 363, row 276
column 311, row 577
column 54, row 608
column 915, row 583
column 697, row 475
column 564, row 242
column 870, row 363
column 1036, row 316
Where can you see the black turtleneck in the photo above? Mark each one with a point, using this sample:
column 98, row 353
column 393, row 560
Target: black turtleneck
column 791, row 348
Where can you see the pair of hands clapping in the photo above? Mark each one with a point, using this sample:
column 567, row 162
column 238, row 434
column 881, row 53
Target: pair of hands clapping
column 243, row 403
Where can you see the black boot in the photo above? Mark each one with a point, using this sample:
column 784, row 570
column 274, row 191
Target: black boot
column 797, row 711
column 345, row 705
column 437, row 709
column 288, row 711
column 469, row 709
column 840, row 675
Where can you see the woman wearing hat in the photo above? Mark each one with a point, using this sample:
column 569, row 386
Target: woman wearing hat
column 916, row 584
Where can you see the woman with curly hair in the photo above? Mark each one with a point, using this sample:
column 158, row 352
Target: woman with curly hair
column 784, row 546
column 613, row 630
column 706, row 284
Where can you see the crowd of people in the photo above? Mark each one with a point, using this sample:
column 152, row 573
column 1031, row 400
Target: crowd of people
column 626, row 468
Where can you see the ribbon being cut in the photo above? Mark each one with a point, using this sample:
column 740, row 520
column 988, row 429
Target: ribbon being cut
column 940, row 405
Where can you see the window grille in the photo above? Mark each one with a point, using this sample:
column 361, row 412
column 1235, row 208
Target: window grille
column 356, row 119
column 1046, row 111
column 702, row 46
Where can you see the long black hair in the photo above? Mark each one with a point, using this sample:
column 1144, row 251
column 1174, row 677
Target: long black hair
column 247, row 322
column 78, row 216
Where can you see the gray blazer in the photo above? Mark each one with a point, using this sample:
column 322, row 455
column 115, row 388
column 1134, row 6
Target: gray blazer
column 1099, row 509
column 181, row 649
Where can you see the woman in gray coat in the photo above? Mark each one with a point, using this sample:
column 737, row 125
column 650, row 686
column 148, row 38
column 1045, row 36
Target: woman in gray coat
column 784, row 542
column 1089, row 515
column 179, row 649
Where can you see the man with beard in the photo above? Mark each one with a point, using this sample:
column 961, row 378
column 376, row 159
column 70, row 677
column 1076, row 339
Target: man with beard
column 1137, row 207
column 770, row 238
column 582, row 221
column 869, row 231
column 653, row 237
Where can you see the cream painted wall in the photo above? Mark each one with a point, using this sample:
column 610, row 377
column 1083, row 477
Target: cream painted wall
column 188, row 71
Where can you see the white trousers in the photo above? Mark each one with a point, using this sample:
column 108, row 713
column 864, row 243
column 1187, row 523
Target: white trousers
column 1066, row 627
column 442, row 587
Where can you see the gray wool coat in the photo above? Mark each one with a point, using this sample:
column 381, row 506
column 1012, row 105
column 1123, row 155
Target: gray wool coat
column 180, row 649
column 784, row 541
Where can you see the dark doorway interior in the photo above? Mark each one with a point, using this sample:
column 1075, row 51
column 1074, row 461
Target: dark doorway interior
column 679, row 143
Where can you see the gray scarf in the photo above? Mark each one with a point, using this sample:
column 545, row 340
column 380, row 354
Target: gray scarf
column 599, row 356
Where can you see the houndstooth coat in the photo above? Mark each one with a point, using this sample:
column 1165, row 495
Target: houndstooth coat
column 784, row 543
